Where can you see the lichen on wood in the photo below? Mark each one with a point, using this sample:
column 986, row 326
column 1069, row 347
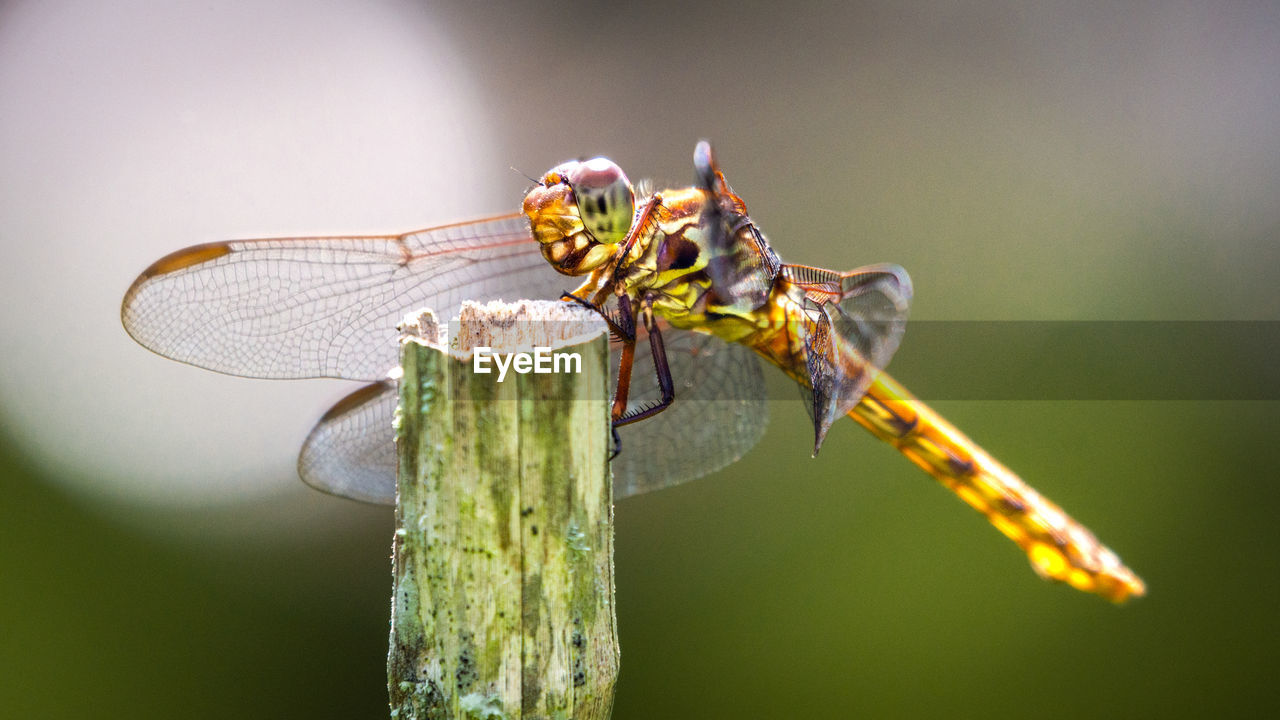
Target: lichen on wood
column 503, row 553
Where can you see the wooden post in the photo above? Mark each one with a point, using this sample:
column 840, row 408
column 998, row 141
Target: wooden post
column 503, row 554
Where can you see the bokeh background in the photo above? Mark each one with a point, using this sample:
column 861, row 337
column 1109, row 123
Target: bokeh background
column 1025, row 161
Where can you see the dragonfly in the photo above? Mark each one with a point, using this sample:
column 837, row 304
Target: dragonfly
column 695, row 297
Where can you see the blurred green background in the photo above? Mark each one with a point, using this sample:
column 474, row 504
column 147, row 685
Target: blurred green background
column 1023, row 161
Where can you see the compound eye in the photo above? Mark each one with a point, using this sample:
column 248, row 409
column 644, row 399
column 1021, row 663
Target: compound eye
column 606, row 201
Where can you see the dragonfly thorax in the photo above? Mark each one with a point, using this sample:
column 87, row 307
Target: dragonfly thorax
column 579, row 212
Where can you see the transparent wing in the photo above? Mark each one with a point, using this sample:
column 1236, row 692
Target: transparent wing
column 854, row 322
column 325, row 306
column 740, row 262
column 351, row 451
column 718, row 415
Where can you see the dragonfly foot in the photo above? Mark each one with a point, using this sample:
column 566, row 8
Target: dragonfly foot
column 617, row 444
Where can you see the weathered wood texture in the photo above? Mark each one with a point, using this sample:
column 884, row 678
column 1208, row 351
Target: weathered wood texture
column 503, row 556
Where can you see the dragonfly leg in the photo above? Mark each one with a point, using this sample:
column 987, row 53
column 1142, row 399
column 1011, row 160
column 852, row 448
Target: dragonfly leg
column 623, row 328
column 617, row 324
column 627, row 334
column 617, row 443
column 660, row 365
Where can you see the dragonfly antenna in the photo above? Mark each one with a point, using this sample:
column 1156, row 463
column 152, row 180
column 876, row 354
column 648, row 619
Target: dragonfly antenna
column 531, row 178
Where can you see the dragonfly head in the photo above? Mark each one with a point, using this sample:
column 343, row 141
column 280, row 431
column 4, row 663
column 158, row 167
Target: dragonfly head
column 579, row 212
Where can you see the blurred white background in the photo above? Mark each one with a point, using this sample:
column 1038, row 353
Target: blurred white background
column 133, row 129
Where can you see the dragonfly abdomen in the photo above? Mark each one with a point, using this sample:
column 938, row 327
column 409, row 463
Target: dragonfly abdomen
column 1058, row 547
